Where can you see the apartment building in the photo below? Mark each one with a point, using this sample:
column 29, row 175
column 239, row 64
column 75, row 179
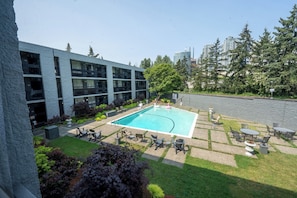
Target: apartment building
column 56, row 79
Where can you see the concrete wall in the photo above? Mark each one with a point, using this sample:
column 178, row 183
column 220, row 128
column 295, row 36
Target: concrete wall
column 265, row 111
column 17, row 162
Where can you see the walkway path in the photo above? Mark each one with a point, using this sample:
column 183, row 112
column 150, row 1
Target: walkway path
column 209, row 142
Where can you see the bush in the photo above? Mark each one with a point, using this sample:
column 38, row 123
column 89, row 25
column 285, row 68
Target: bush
column 56, row 182
column 155, row 191
column 42, row 161
column 111, row 171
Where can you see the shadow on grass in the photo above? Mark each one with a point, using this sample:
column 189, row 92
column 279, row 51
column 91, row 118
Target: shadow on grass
column 193, row 181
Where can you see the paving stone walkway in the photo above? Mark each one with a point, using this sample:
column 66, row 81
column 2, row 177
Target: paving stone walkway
column 209, row 142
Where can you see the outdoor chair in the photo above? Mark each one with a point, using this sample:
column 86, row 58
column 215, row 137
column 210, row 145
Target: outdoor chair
column 94, row 136
column 276, row 133
column 216, row 121
column 244, row 126
column 125, row 134
column 139, row 136
column 157, row 142
column 179, row 145
column 236, row 135
column 289, row 136
column 269, row 130
column 81, row 133
column 263, row 140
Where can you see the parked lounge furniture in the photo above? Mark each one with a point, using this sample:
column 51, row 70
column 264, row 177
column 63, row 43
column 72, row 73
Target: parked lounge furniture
column 179, row 145
column 157, row 142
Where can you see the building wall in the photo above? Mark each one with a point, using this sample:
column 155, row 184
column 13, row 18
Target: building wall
column 17, row 162
column 265, row 111
column 49, row 77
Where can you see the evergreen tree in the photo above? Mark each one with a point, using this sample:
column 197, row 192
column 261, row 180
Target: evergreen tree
column 160, row 60
column 262, row 62
column 285, row 83
column 215, row 65
column 146, row 63
column 181, row 68
column 240, row 75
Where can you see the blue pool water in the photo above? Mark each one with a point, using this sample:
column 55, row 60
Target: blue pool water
column 161, row 119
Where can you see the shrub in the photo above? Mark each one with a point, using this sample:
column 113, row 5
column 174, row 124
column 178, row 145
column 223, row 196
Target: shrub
column 111, row 171
column 56, row 182
column 98, row 119
column 38, row 141
column 155, row 191
column 103, row 117
column 42, row 161
column 81, row 109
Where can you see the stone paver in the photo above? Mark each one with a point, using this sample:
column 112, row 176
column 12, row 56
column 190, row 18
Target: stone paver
column 197, row 143
column 174, row 159
column 229, row 149
column 279, row 141
column 213, row 156
column 286, row 149
column 153, row 154
column 200, row 133
column 217, row 136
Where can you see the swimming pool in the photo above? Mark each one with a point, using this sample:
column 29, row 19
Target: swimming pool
column 161, row 119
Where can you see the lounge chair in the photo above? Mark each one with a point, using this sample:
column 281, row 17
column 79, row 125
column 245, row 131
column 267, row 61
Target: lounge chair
column 216, row 121
column 139, row 136
column 179, row 145
column 94, row 136
column 81, row 133
column 157, row 142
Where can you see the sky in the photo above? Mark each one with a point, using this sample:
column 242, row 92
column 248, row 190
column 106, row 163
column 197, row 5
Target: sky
column 127, row 31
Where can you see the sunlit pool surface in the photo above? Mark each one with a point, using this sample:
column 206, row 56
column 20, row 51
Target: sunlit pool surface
column 161, row 119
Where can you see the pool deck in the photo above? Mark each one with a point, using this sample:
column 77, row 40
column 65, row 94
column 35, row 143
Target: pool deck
column 209, row 142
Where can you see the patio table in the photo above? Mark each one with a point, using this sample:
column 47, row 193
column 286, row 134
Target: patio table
column 287, row 132
column 283, row 130
column 249, row 132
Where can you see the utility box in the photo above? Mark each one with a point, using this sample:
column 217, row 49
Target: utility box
column 264, row 148
column 51, row 132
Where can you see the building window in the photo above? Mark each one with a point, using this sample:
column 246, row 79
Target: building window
column 59, row 87
column 85, row 69
column 30, row 63
column 121, row 73
column 139, row 75
column 57, row 66
column 34, row 88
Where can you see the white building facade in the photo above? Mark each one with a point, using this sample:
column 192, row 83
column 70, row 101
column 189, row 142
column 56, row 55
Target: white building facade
column 56, row 79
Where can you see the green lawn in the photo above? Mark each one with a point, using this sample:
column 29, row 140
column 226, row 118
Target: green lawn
column 74, row 147
column 272, row 175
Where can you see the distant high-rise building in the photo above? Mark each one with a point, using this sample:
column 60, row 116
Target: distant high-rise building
column 183, row 55
column 229, row 44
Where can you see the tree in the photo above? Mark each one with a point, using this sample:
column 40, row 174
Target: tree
column 215, row 64
column 161, row 59
column 146, row 63
column 68, row 48
column 181, row 68
column 91, row 53
column 263, row 62
column 286, row 42
column 111, row 171
column 162, row 78
column 240, row 74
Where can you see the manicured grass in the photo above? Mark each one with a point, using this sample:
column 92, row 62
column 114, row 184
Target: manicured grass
column 272, row 175
column 74, row 147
